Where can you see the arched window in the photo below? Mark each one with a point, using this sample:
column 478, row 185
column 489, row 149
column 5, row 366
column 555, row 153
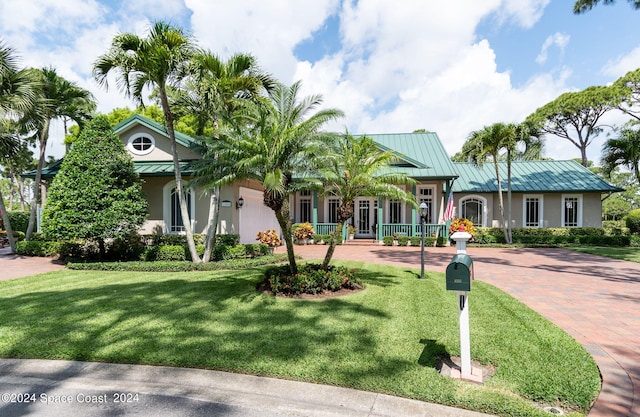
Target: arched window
column 172, row 216
column 474, row 208
column 141, row 144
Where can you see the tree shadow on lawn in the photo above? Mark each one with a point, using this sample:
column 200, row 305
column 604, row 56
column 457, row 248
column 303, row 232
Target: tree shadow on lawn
column 215, row 323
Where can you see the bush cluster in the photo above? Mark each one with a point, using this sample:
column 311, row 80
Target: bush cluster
column 148, row 248
column 632, row 221
column 555, row 236
column 310, row 279
column 184, row 266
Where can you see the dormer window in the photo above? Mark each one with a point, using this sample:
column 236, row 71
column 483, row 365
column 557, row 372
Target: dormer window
column 141, row 144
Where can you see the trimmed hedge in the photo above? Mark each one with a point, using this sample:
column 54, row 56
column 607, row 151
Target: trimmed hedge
column 182, row 266
column 554, row 236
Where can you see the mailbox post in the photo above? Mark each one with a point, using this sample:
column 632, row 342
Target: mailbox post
column 459, row 276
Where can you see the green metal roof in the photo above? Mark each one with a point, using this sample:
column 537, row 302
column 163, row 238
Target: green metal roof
column 162, row 168
column 143, row 168
column 421, row 154
column 137, row 119
column 530, row 176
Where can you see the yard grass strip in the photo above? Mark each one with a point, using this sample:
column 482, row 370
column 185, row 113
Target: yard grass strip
column 386, row 338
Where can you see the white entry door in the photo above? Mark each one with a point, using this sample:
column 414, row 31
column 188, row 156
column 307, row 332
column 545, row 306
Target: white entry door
column 365, row 217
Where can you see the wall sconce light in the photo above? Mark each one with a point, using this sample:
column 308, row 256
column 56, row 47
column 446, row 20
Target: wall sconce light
column 240, row 203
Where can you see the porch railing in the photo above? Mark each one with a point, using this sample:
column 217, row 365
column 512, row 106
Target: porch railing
column 414, row 230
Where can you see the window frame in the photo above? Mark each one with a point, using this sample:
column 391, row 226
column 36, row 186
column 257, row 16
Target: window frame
column 167, row 207
column 579, row 213
column 433, row 204
column 133, row 138
column 482, row 200
column 540, row 198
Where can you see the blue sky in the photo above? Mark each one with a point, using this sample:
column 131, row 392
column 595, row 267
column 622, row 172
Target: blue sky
column 390, row 65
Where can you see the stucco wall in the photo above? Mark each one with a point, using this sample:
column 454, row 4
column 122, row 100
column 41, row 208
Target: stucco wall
column 162, row 150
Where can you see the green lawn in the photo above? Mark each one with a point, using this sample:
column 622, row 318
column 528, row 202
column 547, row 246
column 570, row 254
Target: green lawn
column 385, row 338
column 627, row 253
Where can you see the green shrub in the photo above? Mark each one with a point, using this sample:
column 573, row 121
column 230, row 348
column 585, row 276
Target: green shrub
column 171, row 253
column 19, row 220
column 237, row 252
column 632, row 220
column 221, row 252
column 37, row 248
column 634, row 241
column 440, row 242
column 330, row 239
column 387, row 241
column 320, row 238
column 415, row 240
column 228, row 239
column 310, row 279
column 403, row 240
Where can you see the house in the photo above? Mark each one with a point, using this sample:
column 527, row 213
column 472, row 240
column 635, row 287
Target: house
column 545, row 193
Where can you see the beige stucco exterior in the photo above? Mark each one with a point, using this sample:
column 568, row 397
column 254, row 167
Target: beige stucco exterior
column 590, row 213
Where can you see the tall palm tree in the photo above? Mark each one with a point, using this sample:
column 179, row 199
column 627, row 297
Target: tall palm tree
column 357, row 168
column 622, row 150
column 272, row 142
column 213, row 96
column 487, row 144
column 159, row 60
column 59, row 98
column 17, row 97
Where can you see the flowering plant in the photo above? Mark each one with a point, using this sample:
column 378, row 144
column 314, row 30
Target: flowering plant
column 462, row 225
column 352, row 229
column 304, row 231
column 269, row 237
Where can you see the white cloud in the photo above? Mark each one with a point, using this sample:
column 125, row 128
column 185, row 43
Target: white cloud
column 621, row 65
column 560, row 40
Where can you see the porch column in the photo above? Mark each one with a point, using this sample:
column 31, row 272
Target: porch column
column 414, row 213
column 314, row 214
column 380, row 220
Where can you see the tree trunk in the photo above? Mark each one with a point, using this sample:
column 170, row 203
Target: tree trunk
column 212, row 222
column 184, row 211
column 284, row 220
column 332, row 245
column 509, row 206
column 501, row 203
column 7, row 224
column 36, row 189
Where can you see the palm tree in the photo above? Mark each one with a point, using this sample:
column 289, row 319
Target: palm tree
column 213, row 95
column 357, row 168
column 160, row 61
column 273, row 141
column 622, row 150
column 59, row 98
column 17, row 97
column 487, row 144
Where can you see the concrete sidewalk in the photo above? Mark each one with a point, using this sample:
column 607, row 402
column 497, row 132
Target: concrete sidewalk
column 85, row 389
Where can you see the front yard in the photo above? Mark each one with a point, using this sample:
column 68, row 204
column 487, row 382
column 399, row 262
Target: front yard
column 386, row 338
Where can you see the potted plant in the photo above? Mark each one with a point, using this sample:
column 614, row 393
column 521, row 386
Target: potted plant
column 304, row 232
column 270, row 238
column 351, row 231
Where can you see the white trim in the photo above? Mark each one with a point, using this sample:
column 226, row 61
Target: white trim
column 302, row 198
column 326, row 207
column 540, row 198
column 562, row 207
column 387, row 212
column 138, row 136
column 434, row 202
column 166, row 207
column 483, row 200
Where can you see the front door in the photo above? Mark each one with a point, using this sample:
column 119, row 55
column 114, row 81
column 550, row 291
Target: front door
column 364, row 217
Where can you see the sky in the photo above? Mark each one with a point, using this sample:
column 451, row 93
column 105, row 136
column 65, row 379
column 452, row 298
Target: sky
column 393, row 66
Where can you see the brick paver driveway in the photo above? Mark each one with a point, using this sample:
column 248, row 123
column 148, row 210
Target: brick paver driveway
column 594, row 299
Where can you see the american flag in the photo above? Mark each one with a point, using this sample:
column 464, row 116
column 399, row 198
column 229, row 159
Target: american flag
column 448, row 212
